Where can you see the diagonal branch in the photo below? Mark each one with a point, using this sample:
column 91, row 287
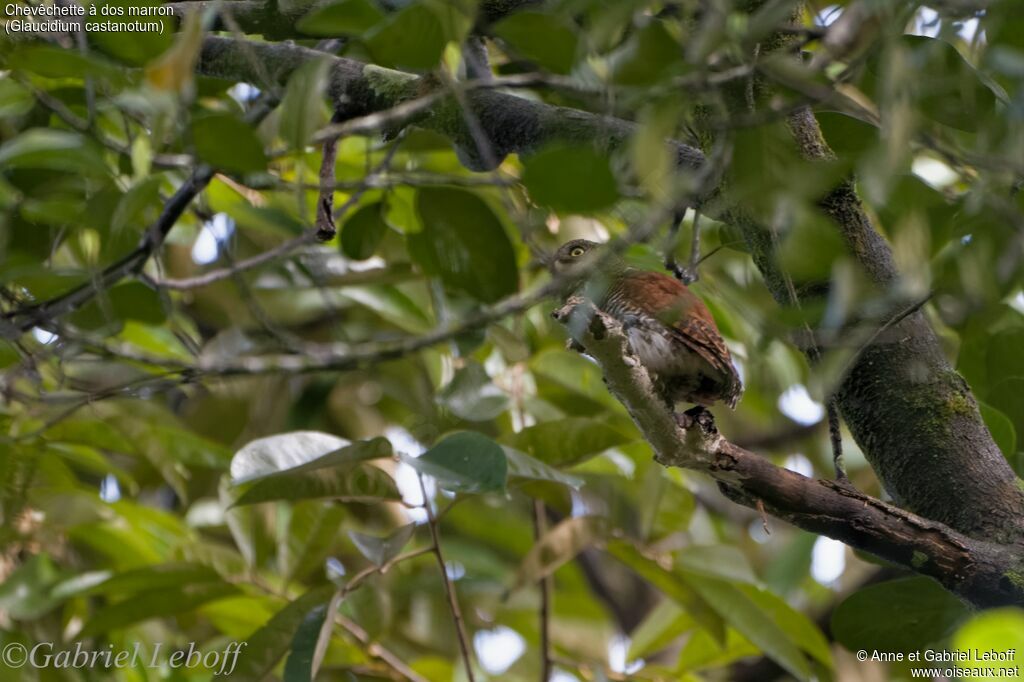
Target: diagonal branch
column 983, row 573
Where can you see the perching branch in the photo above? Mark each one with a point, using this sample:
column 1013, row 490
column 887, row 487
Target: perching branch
column 984, row 573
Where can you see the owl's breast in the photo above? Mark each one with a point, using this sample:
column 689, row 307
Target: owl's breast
column 659, row 352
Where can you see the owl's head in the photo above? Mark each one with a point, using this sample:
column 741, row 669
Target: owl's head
column 574, row 256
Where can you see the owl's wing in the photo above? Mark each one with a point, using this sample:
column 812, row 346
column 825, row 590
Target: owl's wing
column 681, row 310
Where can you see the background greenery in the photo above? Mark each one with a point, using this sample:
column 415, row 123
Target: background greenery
column 156, row 488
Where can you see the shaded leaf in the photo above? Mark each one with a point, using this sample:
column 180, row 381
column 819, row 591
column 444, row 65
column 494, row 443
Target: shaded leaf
column 558, row 546
column 748, row 618
column 1001, row 428
column 391, row 45
column 225, row 141
column 464, row 462
column 464, row 243
column 362, row 233
column 49, row 149
column 341, row 18
column 548, row 40
column 379, row 550
column 565, row 442
column 471, row 394
column 571, row 179
column 267, row 644
column 671, row 585
column 349, row 483
column 898, row 615
column 157, row 603
column 521, row 465
column 302, row 108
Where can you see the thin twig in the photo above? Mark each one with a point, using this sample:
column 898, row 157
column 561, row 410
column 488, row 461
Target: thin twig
column 449, row 588
column 377, row 650
column 540, row 523
column 325, row 227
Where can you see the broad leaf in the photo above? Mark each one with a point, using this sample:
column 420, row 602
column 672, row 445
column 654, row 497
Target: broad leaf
column 570, row 179
column 565, row 442
column 49, row 149
column 301, row 451
column 465, row 462
column 359, row 482
column 521, row 465
column 225, row 141
column 269, row 643
column 344, row 17
column 464, row 243
column 156, row 603
column 900, row 615
column 548, row 40
column 471, row 394
column 362, row 233
column 379, row 550
column 558, row 546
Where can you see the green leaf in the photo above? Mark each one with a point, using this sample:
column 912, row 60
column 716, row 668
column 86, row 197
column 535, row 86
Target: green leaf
column 390, row 43
column 464, row 462
column 55, row 62
column 129, row 300
column 542, row 37
column 392, row 305
column 999, row 630
column 464, row 243
column 749, row 619
column 300, row 451
column 900, row 615
column 565, row 442
column 136, row 205
column 15, row 99
column 717, row 561
column 798, row 627
column 1007, row 396
column 672, row 585
column 310, row 643
column 662, row 626
column 575, row 373
column 471, row 394
column 312, row 531
column 226, row 142
column 361, row 234
column 954, row 94
column 269, row 643
column 558, row 546
column 647, row 57
column 160, row 576
column 521, row 465
column 400, row 210
column 156, row 603
column 346, row 17
column 1001, row 428
column 49, row 149
column 25, row 593
column 359, row 482
column 575, row 179
column 379, row 550
column 302, row 109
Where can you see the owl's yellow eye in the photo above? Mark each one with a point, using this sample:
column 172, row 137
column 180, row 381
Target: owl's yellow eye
column 577, row 252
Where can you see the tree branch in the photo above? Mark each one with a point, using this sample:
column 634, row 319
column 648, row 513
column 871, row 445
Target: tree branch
column 984, row 573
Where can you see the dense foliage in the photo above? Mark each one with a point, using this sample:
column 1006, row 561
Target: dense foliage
column 226, row 430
